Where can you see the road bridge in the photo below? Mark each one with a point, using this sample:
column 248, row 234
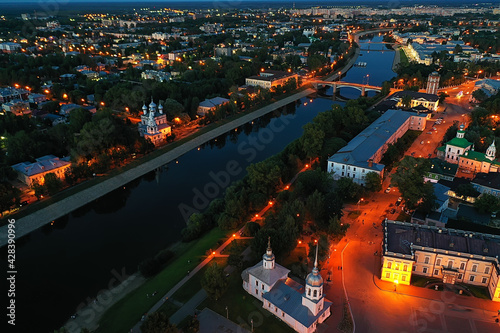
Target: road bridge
column 363, row 88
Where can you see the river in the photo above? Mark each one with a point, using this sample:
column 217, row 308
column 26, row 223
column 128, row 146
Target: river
column 64, row 263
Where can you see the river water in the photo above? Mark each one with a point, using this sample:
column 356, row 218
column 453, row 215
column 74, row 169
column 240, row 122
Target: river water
column 68, row 262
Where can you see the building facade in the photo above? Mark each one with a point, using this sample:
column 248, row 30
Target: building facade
column 480, row 162
column 209, row 105
column 364, row 152
column 433, row 83
column 29, row 173
column 269, row 79
column 303, row 309
column 453, row 256
column 153, row 125
column 457, row 146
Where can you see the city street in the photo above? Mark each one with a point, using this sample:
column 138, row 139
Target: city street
column 379, row 306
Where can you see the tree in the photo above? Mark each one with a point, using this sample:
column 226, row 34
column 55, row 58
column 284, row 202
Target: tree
column 9, row 196
column 348, row 189
column 479, row 95
column 52, row 183
column 39, row 189
column 315, row 205
column 442, row 96
column 457, row 49
column 214, row 281
column 172, row 108
column 406, row 101
column 466, row 190
column 157, row 322
column 312, row 140
column 373, row 183
column 487, row 204
column 409, row 178
column 450, row 133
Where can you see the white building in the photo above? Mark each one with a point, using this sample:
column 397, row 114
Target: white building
column 269, row 79
column 153, row 125
column 30, row 173
column 300, row 309
column 364, row 152
column 454, row 148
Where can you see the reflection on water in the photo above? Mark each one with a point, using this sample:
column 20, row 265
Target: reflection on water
column 72, row 259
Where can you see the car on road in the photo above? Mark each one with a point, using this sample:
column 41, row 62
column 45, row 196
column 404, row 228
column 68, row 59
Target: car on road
column 429, row 132
column 400, row 199
column 388, row 189
column 422, row 142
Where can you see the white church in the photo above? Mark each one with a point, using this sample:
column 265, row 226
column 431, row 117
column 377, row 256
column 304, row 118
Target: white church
column 153, row 125
column 301, row 309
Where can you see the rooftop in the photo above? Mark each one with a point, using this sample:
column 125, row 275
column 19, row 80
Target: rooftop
column 459, row 142
column 271, row 75
column 362, row 147
column 491, row 180
column 401, row 236
column 415, row 95
column 443, row 168
column 42, row 164
column 287, row 296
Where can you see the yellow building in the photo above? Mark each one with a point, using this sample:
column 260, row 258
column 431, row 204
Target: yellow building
column 454, row 256
column 269, row 79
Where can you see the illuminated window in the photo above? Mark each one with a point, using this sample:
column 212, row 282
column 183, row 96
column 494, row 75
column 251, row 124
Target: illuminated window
column 387, row 275
column 405, row 268
column 403, row 278
column 389, row 265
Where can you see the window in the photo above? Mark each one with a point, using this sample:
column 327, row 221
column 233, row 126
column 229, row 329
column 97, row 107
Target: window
column 387, row 275
column 426, row 261
column 460, row 276
column 262, row 286
column 450, row 264
column 389, row 265
column 315, row 293
column 354, row 169
column 256, row 283
column 471, row 278
column 403, row 278
column 436, row 272
column 256, row 291
column 348, row 174
column 343, row 167
column 282, row 314
column 276, row 310
column 363, row 170
column 424, row 270
column 405, row 268
column 449, row 149
column 414, row 268
column 462, row 266
column 438, row 262
column 342, row 173
column 397, row 266
column 474, row 268
column 484, row 280
column 487, row 270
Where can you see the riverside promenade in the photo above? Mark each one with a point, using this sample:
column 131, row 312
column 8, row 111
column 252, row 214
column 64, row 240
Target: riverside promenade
column 29, row 223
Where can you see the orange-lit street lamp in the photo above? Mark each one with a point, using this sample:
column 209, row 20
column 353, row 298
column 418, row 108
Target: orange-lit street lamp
column 396, row 285
column 65, row 96
column 102, row 104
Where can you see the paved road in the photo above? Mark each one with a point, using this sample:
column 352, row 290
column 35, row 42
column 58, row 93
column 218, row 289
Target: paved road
column 65, row 206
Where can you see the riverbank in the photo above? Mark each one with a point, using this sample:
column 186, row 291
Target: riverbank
column 397, row 58
column 29, row 223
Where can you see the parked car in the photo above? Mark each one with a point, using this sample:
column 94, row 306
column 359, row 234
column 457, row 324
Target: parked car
column 388, row 189
column 400, row 199
column 422, row 142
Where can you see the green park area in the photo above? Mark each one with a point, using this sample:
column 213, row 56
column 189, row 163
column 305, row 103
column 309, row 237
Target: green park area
column 128, row 311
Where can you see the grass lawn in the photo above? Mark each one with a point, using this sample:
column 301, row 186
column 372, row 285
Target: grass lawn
column 420, row 281
column 242, row 308
column 403, row 59
column 479, row 292
column 190, row 288
column 128, row 311
column 293, row 257
column 169, row 308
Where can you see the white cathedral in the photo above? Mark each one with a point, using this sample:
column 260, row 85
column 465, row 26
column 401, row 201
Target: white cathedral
column 153, row 125
column 301, row 309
